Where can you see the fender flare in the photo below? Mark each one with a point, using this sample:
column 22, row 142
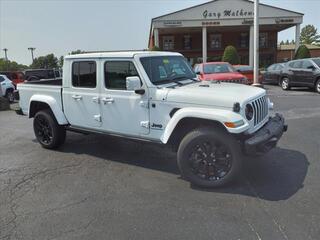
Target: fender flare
column 218, row 115
column 54, row 106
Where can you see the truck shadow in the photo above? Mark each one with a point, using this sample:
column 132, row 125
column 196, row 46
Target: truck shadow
column 276, row 176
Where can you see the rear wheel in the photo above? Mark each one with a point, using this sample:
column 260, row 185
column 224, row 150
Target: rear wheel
column 10, row 96
column 209, row 158
column 47, row 131
column 285, row 84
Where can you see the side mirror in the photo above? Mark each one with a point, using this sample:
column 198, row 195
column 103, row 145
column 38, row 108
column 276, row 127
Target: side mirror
column 134, row 84
column 312, row 68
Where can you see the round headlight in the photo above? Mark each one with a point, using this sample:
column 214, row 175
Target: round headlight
column 249, row 111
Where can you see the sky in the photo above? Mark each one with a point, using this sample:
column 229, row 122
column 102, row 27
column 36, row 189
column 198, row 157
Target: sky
column 61, row 26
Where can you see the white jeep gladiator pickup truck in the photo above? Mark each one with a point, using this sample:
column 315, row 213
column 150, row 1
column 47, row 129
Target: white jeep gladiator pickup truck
column 155, row 96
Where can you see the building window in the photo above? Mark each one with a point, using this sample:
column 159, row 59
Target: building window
column 263, row 40
column 215, row 41
column 116, row 73
column 84, row 74
column 244, row 40
column 168, row 42
column 187, row 42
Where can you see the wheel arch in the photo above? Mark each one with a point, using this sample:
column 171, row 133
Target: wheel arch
column 186, row 119
column 38, row 103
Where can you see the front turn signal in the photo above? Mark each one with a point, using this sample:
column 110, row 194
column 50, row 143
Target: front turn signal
column 234, row 124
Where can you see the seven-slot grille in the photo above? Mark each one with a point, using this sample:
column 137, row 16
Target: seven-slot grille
column 260, row 107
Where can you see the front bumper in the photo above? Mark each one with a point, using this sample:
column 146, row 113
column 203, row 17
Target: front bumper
column 267, row 137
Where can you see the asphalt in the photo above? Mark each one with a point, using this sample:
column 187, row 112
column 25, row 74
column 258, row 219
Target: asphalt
column 98, row 187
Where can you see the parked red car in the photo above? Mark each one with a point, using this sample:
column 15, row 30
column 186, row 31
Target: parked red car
column 219, row 71
column 15, row 76
column 247, row 71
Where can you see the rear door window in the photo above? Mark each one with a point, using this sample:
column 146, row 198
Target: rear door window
column 296, row 64
column 84, row 74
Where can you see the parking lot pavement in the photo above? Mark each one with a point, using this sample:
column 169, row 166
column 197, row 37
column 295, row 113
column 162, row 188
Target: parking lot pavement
column 98, row 187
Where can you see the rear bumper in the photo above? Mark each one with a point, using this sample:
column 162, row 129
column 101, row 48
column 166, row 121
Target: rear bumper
column 267, row 137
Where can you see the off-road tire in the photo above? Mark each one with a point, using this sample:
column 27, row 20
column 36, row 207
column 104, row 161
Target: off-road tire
column 196, row 137
column 57, row 134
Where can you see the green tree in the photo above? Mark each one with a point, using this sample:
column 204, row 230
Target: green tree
column 302, row 52
column 61, row 60
column 287, row 42
column 78, row 51
column 282, row 42
column 231, row 55
column 155, row 48
column 309, row 35
column 48, row 61
column 292, row 42
column 11, row 65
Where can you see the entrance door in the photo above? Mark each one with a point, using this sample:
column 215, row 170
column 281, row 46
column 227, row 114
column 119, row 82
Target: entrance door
column 123, row 111
column 81, row 98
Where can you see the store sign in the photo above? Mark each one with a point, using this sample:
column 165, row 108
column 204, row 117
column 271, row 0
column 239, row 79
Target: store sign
column 172, row 23
column 280, row 21
column 227, row 13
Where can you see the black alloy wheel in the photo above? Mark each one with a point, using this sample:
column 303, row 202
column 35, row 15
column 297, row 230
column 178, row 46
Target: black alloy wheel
column 210, row 160
column 47, row 130
column 43, row 130
column 209, row 157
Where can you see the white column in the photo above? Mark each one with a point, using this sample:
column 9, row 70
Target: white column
column 204, row 44
column 297, row 36
column 251, row 49
column 156, row 37
column 256, row 43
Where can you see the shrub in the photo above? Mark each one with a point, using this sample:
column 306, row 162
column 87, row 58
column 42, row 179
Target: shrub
column 155, row 48
column 231, row 55
column 302, row 52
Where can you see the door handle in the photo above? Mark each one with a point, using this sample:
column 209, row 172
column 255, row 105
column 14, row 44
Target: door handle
column 107, row 100
column 96, row 99
column 77, row 97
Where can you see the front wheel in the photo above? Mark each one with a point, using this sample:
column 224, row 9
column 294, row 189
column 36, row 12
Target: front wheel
column 209, row 158
column 317, row 87
column 47, row 131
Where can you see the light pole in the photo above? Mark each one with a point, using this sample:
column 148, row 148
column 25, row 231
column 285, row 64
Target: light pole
column 6, row 57
column 32, row 49
column 256, row 44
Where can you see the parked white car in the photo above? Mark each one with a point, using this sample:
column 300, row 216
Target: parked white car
column 155, row 96
column 6, row 88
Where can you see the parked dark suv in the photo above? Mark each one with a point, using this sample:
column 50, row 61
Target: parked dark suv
column 37, row 74
column 301, row 73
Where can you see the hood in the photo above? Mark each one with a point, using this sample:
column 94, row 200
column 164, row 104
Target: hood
column 214, row 94
column 223, row 76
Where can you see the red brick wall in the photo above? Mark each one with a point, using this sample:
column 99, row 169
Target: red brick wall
column 289, row 54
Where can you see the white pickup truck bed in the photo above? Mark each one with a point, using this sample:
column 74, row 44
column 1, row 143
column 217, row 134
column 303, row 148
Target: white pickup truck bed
column 31, row 91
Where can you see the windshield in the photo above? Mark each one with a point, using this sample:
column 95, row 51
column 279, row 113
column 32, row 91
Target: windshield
column 317, row 61
column 218, row 68
column 167, row 69
column 243, row 68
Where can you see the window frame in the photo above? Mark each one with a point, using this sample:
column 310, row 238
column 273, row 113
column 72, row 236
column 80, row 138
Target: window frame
column 171, row 45
column 119, row 60
column 213, row 36
column 96, row 72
